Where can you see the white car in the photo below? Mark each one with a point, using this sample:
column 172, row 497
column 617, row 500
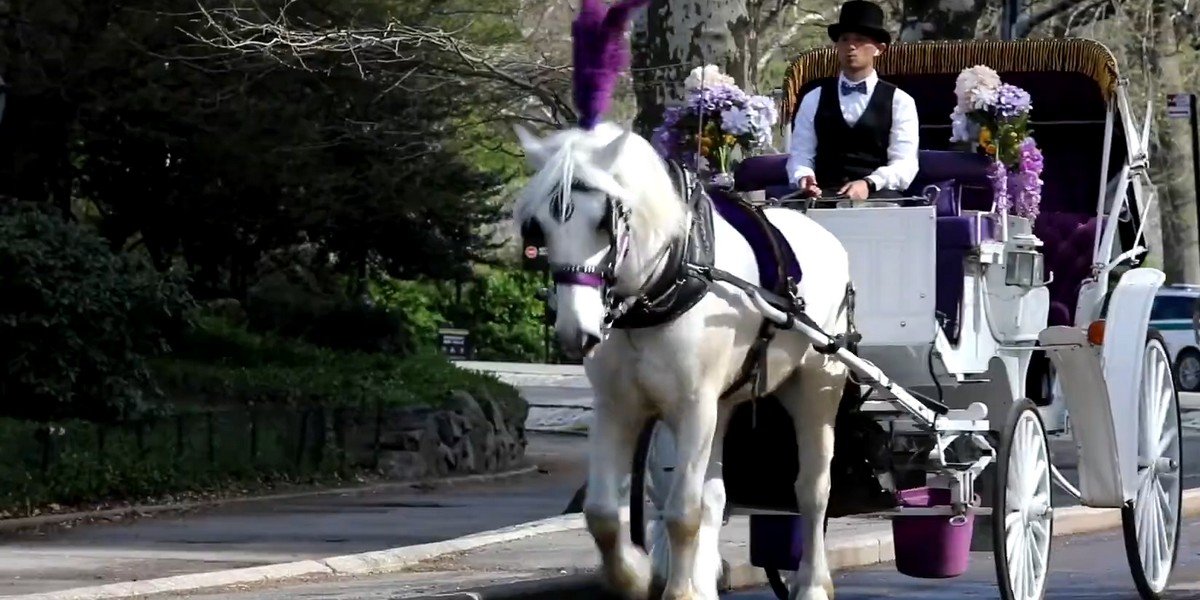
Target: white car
column 1172, row 315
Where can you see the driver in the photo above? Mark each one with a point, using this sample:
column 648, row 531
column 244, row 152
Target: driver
column 855, row 136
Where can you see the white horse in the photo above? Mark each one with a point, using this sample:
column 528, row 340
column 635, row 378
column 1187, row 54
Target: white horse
column 605, row 204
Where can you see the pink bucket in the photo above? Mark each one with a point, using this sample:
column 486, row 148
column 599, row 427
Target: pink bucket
column 931, row 546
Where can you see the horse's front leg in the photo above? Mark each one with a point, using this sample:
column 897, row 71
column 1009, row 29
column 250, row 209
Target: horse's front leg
column 613, row 436
column 708, row 556
column 660, row 470
column 694, row 425
column 812, row 396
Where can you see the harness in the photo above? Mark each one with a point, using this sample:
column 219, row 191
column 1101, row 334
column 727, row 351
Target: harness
column 687, row 274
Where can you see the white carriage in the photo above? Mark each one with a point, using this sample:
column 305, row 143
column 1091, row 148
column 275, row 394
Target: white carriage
column 965, row 313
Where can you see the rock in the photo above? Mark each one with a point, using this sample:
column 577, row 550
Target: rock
column 465, row 405
column 402, row 465
column 466, row 436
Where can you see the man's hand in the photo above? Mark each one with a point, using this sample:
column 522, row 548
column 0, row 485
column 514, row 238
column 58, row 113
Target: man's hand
column 808, row 183
column 855, row 190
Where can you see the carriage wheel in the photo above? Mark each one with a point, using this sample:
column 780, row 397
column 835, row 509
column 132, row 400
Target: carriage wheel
column 1151, row 521
column 1022, row 517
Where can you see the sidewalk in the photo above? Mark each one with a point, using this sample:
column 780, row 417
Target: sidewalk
column 259, row 533
column 562, row 554
column 551, row 559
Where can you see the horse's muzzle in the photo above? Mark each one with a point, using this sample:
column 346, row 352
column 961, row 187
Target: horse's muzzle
column 580, row 345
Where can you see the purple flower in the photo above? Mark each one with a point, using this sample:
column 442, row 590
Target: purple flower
column 713, row 100
column 1011, row 101
column 1031, row 156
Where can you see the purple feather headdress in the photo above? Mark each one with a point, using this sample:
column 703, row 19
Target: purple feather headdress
column 600, row 54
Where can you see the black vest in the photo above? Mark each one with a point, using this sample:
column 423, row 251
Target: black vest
column 846, row 153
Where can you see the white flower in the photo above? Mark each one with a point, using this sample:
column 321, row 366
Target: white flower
column 976, row 87
column 960, row 126
column 710, row 75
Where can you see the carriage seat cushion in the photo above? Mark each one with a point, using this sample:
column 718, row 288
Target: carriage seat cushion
column 956, row 236
column 1067, row 240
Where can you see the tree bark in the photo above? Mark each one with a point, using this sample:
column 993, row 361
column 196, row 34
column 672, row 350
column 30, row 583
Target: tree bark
column 672, row 37
column 941, row 19
column 1170, row 152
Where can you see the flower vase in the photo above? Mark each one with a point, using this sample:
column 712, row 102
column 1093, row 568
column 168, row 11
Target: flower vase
column 721, row 180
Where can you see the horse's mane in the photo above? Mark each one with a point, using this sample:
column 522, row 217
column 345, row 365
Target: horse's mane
column 639, row 179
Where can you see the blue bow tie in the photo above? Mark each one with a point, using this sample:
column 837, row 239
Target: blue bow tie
column 860, row 87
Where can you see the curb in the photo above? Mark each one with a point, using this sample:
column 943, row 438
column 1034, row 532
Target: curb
column 380, row 561
column 855, row 551
column 9, row 525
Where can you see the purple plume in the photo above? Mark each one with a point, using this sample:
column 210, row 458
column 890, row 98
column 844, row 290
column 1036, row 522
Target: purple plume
column 600, row 54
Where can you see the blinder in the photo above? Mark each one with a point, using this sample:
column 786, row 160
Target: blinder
column 599, row 277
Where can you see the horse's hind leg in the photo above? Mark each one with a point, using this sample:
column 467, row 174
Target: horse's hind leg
column 812, row 396
column 613, row 438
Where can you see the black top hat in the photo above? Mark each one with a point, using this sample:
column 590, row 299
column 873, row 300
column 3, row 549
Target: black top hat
column 861, row 16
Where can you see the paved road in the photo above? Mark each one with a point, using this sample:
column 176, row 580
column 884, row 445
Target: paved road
column 1090, row 567
column 280, row 531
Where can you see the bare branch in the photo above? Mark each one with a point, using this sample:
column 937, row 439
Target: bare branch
column 1026, row 24
column 399, row 55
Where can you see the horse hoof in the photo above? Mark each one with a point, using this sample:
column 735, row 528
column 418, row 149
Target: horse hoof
column 632, row 579
column 813, row 593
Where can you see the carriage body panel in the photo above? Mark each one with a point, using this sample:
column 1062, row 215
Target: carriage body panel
column 892, row 262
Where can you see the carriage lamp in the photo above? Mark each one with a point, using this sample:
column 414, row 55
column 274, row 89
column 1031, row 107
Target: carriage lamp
column 1024, row 268
column 1095, row 333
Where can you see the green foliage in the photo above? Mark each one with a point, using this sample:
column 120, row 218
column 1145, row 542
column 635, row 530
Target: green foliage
column 77, row 462
column 218, row 363
column 499, row 306
column 426, row 306
column 506, row 316
column 77, row 320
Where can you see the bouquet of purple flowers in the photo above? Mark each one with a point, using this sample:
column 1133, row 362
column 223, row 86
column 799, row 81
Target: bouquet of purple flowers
column 995, row 117
column 717, row 118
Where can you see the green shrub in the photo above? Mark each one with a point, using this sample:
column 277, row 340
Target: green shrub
column 221, row 363
column 500, row 307
column 298, row 296
column 425, row 307
column 506, row 316
column 77, row 320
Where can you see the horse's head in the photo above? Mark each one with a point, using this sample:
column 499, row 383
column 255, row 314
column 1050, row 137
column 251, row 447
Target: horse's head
column 602, row 204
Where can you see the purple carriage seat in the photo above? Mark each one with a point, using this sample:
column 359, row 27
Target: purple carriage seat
column 1067, row 239
column 959, row 182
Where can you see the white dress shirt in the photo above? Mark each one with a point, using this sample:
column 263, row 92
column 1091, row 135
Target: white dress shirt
column 901, row 169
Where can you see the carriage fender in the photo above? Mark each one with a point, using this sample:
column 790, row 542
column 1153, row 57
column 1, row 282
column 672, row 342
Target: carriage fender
column 1126, row 323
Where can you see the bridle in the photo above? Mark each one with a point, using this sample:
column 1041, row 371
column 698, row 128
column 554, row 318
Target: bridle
column 603, row 276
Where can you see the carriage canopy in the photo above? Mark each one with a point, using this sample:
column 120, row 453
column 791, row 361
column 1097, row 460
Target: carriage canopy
column 1074, row 83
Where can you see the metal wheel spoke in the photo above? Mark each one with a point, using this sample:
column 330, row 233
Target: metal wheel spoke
column 1169, row 436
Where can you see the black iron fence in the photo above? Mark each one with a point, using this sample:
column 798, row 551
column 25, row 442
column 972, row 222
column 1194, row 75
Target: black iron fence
column 78, row 461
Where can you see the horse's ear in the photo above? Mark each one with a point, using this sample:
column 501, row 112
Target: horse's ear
column 607, row 156
column 535, row 151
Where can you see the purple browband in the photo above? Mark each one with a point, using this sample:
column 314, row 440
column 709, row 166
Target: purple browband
column 577, row 278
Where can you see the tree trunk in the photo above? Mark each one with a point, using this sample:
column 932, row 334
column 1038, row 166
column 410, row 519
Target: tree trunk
column 941, row 19
column 1170, row 152
column 672, row 37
